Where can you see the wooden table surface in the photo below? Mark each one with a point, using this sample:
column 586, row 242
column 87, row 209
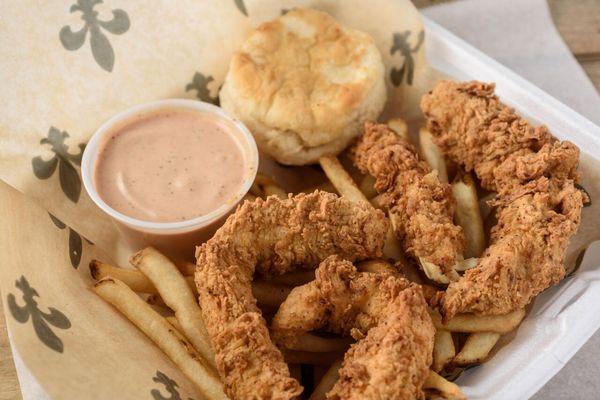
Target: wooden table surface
column 577, row 21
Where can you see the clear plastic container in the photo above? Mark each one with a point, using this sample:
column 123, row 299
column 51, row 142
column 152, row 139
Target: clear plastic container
column 177, row 239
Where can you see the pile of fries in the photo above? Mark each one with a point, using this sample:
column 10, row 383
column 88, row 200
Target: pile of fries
column 169, row 314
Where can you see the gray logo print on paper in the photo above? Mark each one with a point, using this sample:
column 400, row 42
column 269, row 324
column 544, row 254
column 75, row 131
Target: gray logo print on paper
column 101, row 48
column 75, row 243
column 170, row 386
column 241, row 6
column 39, row 318
column 200, row 85
column 401, row 45
column 70, row 182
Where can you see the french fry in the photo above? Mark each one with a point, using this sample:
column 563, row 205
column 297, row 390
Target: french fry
column 311, row 358
column 186, row 268
column 464, row 265
column 399, row 126
column 326, row 186
column 176, row 293
column 476, row 348
column 316, row 344
column 341, row 180
column 162, row 333
column 367, row 186
column 295, row 278
column 448, row 390
column 377, row 202
column 434, row 272
column 432, row 154
column 327, row 382
column 443, row 350
column 392, row 248
column 377, row 265
column 264, row 186
column 136, row 280
column 268, row 294
column 470, row 323
column 173, row 321
column 132, row 278
column 468, row 214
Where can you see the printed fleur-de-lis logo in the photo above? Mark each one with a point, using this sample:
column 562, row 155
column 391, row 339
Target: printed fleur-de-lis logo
column 401, row 44
column 70, row 182
column 241, row 6
column 101, row 48
column 75, row 244
column 170, row 386
column 39, row 318
column 200, row 85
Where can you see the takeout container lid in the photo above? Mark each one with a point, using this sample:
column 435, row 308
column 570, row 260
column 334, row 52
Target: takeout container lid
column 241, row 134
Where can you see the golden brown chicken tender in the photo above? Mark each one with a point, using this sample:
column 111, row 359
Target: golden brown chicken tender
column 272, row 237
column 423, row 206
column 539, row 207
column 386, row 313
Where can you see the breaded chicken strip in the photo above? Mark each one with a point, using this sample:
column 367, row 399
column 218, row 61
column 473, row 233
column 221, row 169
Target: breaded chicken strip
column 539, row 207
column 386, row 313
column 476, row 130
column 272, row 237
column 526, row 253
column 422, row 204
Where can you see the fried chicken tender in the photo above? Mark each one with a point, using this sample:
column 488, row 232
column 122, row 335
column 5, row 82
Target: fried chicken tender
column 476, row 130
column 539, row 207
column 386, row 313
column 272, row 237
column 422, row 204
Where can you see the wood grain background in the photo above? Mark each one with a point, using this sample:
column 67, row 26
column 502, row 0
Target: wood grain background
column 577, row 21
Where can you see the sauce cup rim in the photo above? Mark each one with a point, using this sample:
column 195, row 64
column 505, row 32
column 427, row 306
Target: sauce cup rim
column 90, row 155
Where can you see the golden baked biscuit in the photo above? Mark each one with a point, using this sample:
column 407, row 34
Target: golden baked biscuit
column 304, row 84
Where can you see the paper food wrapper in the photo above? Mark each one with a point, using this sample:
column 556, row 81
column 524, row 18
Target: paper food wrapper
column 68, row 66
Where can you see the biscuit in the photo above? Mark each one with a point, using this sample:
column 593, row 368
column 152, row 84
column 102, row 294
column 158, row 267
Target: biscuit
column 303, row 84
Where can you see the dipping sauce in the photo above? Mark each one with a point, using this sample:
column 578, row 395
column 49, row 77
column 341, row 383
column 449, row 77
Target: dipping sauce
column 169, row 165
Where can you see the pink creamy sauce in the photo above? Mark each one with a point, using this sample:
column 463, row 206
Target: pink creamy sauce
column 170, row 165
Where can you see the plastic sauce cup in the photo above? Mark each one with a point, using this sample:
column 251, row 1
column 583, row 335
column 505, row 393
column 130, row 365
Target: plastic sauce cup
column 175, row 239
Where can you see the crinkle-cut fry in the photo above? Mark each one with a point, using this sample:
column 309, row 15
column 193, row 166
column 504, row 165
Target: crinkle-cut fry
column 294, row 278
column 268, row 294
column 136, row 280
column 131, row 277
column 317, row 344
column 447, row 389
column 443, row 350
column 468, row 214
column 470, row 323
column 341, row 180
column 377, row 265
column 327, row 382
column 163, row 334
column 476, row 348
column 399, row 126
column 367, row 186
column 311, row 358
column 432, row 154
column 177, row 294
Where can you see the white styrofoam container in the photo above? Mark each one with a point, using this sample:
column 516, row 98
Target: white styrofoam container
column 560, row 321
